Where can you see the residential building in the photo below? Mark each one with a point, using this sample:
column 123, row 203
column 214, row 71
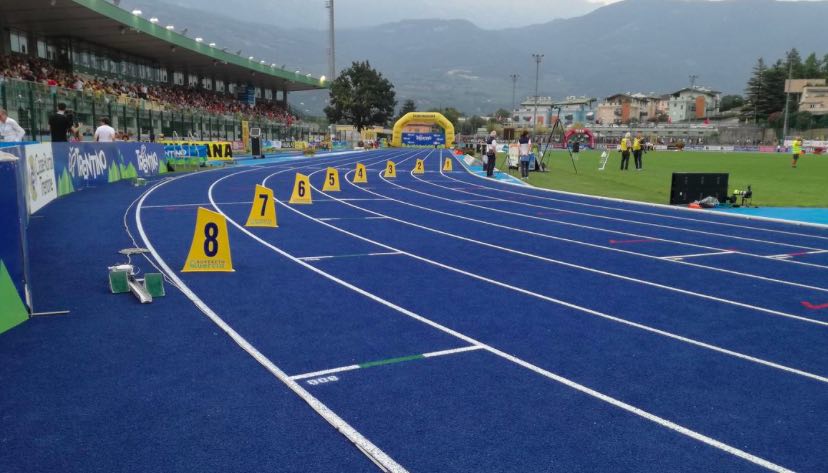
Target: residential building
column 814, row 99
column 571, row 109
column 628, row 108
column 693, row 103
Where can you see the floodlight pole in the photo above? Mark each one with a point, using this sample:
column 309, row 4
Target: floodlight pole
column 538, row 58
column 787, row 98
column 514, row 88
column 329, row 4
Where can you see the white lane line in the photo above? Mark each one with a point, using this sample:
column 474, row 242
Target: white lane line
column 453, row 351
column 342, row 369
column 623, row 220
column 203, row 204
column 358, row 255
column 646, row 204
column 804, row 253
column 357, row 199
column 578, row 242
column 699, row 255
column 372, row 451
column 589, row 311
column 332, row 219
column 548, row 374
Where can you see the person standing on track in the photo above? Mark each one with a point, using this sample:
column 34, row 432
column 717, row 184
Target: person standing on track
column 637, row 151
column 491, row 153
column 525, row 144
column 796, row 148
column 625, row 151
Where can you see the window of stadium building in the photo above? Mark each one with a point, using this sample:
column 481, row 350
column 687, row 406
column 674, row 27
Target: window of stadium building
column 19, row 42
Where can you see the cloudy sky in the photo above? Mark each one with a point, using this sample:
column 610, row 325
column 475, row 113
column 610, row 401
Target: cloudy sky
column 491, row 14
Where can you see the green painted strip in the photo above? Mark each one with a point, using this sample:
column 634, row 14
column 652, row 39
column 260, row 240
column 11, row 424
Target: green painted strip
column 391, row 361
column 12, row 310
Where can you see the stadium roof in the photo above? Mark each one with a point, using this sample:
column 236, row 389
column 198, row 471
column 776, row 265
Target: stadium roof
column 101, row 22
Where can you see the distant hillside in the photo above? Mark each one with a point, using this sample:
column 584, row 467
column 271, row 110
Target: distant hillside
column 633, row 45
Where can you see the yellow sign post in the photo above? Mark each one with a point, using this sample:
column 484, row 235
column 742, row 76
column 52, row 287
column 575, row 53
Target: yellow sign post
column 360, row 175
column 331, row 181
column 210, row 250
column 301, row 190
column 390, row 169
column 419, row 168
column 263, row 210
column 447, row 166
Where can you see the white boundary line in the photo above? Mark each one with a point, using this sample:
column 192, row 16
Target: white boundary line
column 578, row 242
column 622, row 232
column 660, row 206
column 360, row 255
column 571, row 265
column 195, row 205
column 372, row 451
column 548, row 374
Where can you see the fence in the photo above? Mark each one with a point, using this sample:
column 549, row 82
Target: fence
column 31, row 103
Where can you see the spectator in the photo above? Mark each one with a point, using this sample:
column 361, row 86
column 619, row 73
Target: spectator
column 60, row 124
column 10, row 131
column 105, row 133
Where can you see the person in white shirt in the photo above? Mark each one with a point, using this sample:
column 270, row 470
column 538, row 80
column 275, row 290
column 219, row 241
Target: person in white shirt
column 105, row 133
column 10, row 131
column 491, row 153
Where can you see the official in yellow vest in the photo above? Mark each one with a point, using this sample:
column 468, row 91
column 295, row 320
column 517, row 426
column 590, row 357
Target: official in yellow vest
column 637, row 152
column 625, row 151
column 796, row 147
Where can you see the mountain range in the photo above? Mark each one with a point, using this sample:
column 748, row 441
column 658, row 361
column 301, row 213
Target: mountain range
column 628, row 46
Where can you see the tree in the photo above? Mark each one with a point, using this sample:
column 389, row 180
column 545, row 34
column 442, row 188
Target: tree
column 452, row 114
column 730, row 102
column 502, row 115
column 408, row 107
column 811, row 68
column 362, row 97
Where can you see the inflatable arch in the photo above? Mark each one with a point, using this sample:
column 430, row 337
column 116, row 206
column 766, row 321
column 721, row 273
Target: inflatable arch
column 580, row 131
column 422, row 117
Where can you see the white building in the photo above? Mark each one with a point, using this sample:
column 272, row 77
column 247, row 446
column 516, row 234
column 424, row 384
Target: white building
column 693, row 103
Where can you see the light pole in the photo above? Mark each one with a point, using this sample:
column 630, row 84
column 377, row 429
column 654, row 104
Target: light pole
column 329, row 4
column 515, row 78
column 538, row 58
column 787, row 98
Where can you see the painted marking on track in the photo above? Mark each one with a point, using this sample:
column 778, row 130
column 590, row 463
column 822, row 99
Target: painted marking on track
column 808, row 305
column 698, row 255
column 355, row 255
column 627, row 242
column 386, row 361
column 799, row 253
column 538, row 370
column 204, row 204
column 374, row 453
column 331, row 219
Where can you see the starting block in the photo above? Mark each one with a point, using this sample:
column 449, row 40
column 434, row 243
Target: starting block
column 390, row 169
column 331, row 181
column 419, row 168
column 301, row 190
column 360, row 176
column 122, row 280
column 447, row 165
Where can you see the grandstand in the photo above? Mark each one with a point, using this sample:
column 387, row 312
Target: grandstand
column 149, row 78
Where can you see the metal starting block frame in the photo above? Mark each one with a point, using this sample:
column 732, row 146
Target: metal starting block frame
column 122, row 280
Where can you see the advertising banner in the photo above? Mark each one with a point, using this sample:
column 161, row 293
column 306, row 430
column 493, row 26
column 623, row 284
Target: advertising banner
column 423, row 139
column 41, row 187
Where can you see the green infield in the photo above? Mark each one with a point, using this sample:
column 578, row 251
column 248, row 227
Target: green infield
column 775, row 183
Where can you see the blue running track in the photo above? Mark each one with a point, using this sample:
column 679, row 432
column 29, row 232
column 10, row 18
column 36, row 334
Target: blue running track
column 435, row 322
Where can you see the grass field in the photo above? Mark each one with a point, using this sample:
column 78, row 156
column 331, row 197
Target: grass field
column 775, row 183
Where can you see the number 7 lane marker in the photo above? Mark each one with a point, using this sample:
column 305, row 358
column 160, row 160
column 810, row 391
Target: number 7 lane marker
column 374, row 453
column 388, row 361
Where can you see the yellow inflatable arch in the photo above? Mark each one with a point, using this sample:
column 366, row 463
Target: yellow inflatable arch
column 422, row 117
